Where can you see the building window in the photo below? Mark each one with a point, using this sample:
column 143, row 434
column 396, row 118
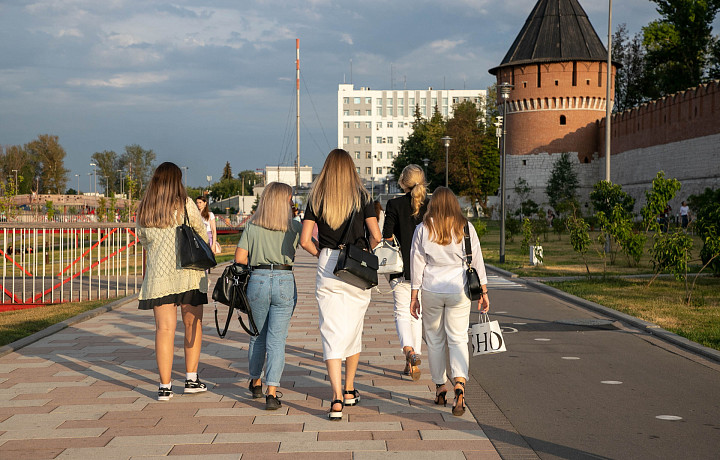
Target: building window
column 401, row 139
column 368, row 125
column 389, row 101
column 357, row 170
column 574, row 74
column 357, row 124
column 356, row 140
column 368, row 100
column 434, row 101
column 557, row 83
column 378, row 125
column 423, row 111
column 379, row 140
column 368, row 155
column 411, row 102
column 378, row 111
column 378, row 101
column 401, row 124
column 346, row 140
column 368, row 139
column 539, row 78
column 401, row 111
column 445, row 110
column 391, row 155
column 445, row 101
column 346, row 100
column 357, row 155
column 423, row 102
column 378, row 170
column 346, row 124
column 368, row 170
column 563, row 120
column 346, row 112
column 389, row 124
column 379, row 155
column 368, row 112
column 357, row 112
column 356, row 100
column 390, row 140
column 390, row 111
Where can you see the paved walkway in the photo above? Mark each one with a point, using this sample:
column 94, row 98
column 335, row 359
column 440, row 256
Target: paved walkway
column 89, row 391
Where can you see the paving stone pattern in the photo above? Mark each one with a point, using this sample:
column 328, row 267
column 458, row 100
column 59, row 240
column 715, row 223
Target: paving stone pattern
column 89, row 392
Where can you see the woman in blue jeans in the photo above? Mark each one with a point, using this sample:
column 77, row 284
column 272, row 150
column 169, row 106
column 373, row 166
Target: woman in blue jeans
column 268, row 245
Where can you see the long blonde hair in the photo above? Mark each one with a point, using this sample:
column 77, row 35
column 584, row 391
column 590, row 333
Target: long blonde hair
column 444, row 219
column 412, row 179
column 337, row 190
column 274, row 211
column 165, row 194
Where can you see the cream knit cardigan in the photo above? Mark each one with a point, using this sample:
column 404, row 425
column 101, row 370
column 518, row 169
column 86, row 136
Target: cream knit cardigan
column 163, row 274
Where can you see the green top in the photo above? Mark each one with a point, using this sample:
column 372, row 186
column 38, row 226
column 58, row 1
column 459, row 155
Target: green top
column 270, row 246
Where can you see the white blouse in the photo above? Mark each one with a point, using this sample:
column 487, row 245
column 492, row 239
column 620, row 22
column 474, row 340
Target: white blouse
column 441, row 269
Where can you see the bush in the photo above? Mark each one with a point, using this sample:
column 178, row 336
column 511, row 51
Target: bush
column 480, row 228
column 512, row 227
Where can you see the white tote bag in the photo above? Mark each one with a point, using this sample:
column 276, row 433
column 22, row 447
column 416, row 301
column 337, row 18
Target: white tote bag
column 389, row 257
column 486, row 337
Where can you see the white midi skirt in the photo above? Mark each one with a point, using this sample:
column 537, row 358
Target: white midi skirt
column 342, row 309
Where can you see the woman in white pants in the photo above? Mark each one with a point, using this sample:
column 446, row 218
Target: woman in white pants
column 438, row 269
column 402, row 215
column 338, row 202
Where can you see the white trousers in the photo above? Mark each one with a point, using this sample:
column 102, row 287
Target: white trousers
column 446, row 318
column 409, row 329
column 342, row 309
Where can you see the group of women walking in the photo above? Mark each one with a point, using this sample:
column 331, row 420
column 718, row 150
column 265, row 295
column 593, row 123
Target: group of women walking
column 429, row 295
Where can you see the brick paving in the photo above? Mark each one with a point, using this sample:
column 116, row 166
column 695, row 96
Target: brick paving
column 89, row 391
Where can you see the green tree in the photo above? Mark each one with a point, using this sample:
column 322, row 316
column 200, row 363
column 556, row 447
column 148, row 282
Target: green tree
column 706, row 208
column 249, row 179
column 226, row 188
column 139, row 165
column 227, row 172
column 630, row 78
column 679, row 45
column 424, row 142
column 606, row 195
column 473, row 155
column 562, row 185
column 656, row 200
column 51, row 162
column 15, row 158
column 108, row 164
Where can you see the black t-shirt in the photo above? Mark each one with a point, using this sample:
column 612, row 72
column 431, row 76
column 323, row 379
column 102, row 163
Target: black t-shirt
column 330, row 238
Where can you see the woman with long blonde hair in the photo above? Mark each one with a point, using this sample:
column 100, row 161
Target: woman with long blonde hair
column 402, row 215
column 167, row 285
column 268, row 245
column 337, row 202
column 438, row 270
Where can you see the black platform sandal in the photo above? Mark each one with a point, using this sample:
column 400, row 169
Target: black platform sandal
column 459, row 409
column 351, row 401
column 333, row 414
column 440, row 397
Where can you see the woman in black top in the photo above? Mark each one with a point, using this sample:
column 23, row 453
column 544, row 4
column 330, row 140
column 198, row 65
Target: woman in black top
column 402, row 215
column 337, row 195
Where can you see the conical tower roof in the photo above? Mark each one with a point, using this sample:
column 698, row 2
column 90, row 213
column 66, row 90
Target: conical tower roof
column 555, row 31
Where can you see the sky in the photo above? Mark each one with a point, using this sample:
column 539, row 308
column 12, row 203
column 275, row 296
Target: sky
column 205, row 82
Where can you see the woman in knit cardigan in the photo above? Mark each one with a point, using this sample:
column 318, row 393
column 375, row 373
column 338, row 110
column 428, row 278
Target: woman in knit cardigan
column 167, row 285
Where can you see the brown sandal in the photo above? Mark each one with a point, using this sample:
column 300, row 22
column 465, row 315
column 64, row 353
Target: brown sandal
column 459, row 405
column 413, row 361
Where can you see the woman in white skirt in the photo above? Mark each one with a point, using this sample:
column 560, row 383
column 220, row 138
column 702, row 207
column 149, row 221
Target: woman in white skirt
column 338, row 201
column 402, row 215
column 438, row 268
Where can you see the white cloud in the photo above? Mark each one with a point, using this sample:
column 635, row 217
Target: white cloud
column 122, row 80
column 69, row 33
column 443, row 46
column 346, row 38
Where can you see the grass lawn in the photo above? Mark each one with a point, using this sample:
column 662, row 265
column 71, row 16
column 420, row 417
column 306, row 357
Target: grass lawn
column 662, row 303
column 15, row 325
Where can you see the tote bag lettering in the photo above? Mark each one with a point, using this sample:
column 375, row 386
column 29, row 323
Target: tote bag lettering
column 486, row 337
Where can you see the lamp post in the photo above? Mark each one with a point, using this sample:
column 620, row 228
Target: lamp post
column 446, row 141
column 95, row 176
column 185, row 168
column 608, row 106
column 504, row 89
column 107, row 185
column 122, row 186
column 78, row 178
column 427, row 162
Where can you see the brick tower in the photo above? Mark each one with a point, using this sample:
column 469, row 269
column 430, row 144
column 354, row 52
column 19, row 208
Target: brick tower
column 557, row 65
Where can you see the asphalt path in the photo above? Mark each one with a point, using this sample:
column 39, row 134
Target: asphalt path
column 595, row 389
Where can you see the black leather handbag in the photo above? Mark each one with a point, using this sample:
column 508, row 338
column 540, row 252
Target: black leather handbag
column 194, row 252
column 356, row 266
column 474, row 289
column 231, row 290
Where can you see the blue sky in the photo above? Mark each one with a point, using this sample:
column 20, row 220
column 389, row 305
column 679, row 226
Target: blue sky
column 205, row 82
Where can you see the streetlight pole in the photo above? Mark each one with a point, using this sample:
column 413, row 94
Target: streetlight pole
column 446, row 141
column 78, row 178
column 122, row 186
column 427, row 162
column 608, row 106
column 95, row 176
column 505, row 89
column 185, row 169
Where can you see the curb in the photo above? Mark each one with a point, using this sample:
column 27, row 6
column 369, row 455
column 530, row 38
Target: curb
column 48, row 331
column 645, row 326
column 502, row 272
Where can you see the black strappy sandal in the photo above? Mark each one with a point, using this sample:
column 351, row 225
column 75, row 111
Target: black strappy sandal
column 351, row 401
column 459, row 392
column 336, row 415
column 440, row 397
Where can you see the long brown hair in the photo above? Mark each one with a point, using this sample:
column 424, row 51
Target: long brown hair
column 412, row 179
column 444, row 219
column 274, row 211
column 165, row 194
column 205, row 213
column 337, row 190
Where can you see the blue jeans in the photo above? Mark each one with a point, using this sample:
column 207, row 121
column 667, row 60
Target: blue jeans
column 272, row 295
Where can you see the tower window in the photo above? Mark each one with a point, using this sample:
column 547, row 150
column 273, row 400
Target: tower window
column 563, row 120
column 556, row 83
column 539, row 80
column 574, row 74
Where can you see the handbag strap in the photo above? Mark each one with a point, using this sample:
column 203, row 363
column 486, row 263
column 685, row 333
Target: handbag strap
column 347, row 227
column 468, row 247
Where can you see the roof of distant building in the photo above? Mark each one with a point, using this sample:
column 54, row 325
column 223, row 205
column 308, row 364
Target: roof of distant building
column 555, row 31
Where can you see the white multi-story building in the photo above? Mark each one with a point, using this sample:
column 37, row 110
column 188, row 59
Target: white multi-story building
column 373, row 123
column 287, row 174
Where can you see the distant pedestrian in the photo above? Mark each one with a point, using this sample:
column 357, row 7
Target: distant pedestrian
column 337, row 194
column 438, row 269
column 268, row 245
column 208, row 218
column 166, row 285
column 684, row 215
column 403, row 214
column 379, row 213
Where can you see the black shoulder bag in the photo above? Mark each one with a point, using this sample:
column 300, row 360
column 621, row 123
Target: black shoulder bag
column 474, row 289
column 231, row 290
column 356, row 266
column 194, row 252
